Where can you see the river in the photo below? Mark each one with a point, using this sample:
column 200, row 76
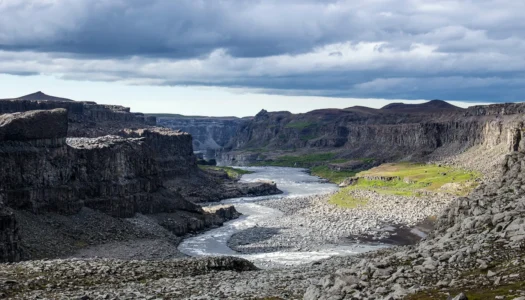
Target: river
column 293, row 182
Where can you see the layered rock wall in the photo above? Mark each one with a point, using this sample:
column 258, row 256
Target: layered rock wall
column 42, row 171
column 173, row 151
column 359, row 133
column 9, row 237
column 208, row 133
column 81, row 114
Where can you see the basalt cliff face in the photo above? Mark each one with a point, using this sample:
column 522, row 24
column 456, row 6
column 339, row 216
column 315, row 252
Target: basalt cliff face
column 86, row 118
column 209, row 134
column 435, row 129
column 45, row 172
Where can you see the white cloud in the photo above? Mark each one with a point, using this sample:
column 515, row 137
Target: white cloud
column 373, row 48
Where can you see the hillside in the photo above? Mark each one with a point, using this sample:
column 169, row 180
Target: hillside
column 417, row 132
column 39, row 96
column 432, row 106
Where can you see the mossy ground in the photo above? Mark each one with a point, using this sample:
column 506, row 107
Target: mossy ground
column 429, row 177
column 331, row 175
column 473, row 292
column 233, row 173
column 409, row 179
column 300, row 161
column 301, row 125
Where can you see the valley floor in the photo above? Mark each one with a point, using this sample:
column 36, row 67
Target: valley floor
column 477, row 247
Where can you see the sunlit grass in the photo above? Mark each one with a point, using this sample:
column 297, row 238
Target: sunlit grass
column 409, row 179
column 424, row 177
column 331, row 175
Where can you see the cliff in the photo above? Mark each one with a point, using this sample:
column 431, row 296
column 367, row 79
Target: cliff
column 44, row 172
column 208, row 133
column 396, row 132
column 9, row 237
column 86, row 119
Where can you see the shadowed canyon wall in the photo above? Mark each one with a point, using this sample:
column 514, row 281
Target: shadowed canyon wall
column 208, row 133
column 44, row 171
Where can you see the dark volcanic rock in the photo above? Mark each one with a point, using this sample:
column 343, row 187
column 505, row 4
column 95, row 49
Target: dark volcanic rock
column 121, row 176
column 432, row 106
column 42, row 97
column 42, row 172
column 208, row 133
column 173, row 151
column 399, row 131
column 86, row 119
column 33, row 125
column 9, row 239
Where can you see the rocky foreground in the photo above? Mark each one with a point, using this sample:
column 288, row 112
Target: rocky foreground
column 476, row 248
column 311, row 223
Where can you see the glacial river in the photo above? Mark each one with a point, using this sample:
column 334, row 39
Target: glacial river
column 293, row 182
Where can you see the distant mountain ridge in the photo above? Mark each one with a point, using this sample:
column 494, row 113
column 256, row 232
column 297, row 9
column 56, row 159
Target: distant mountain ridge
column 39, row 96
column 430, row 106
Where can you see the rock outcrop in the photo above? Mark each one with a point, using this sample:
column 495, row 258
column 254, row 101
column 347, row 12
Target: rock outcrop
column 86, row 118
column 173, row 151
column 10, row 249
column 43, row 171
column 20, row 126
column 477, row 245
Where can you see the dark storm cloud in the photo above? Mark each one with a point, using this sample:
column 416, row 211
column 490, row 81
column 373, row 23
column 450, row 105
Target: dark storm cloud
column 176, row 29
column 467, row 50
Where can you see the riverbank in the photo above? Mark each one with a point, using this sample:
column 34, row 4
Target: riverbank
column 313, row 224
column 477, row 248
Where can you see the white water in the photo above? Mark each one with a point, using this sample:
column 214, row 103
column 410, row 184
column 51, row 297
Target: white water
column 294, row 183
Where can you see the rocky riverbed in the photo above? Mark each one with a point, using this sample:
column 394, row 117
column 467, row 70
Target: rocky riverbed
column 312, row 223
column 477, row 247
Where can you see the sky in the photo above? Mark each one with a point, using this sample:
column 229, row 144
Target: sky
column 236, row 57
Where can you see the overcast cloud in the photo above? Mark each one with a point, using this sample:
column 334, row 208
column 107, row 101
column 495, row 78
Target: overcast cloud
column 408, row 49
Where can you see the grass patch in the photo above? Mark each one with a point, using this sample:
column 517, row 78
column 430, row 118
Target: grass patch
column 474, row 293
column 308, row 137
column 409, row 179
column 300, row 125
column 432, row 177
column 331, row 175
column 301, row 161
column 421, row 177
column 233, row 173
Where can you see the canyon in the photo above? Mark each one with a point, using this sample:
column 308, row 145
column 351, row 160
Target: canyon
column 78, row 177
column 63, row 158
column 420, row 132
column 209, row 134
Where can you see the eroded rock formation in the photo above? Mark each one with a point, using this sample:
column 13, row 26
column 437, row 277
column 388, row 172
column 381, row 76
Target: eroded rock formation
column 43, row 171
